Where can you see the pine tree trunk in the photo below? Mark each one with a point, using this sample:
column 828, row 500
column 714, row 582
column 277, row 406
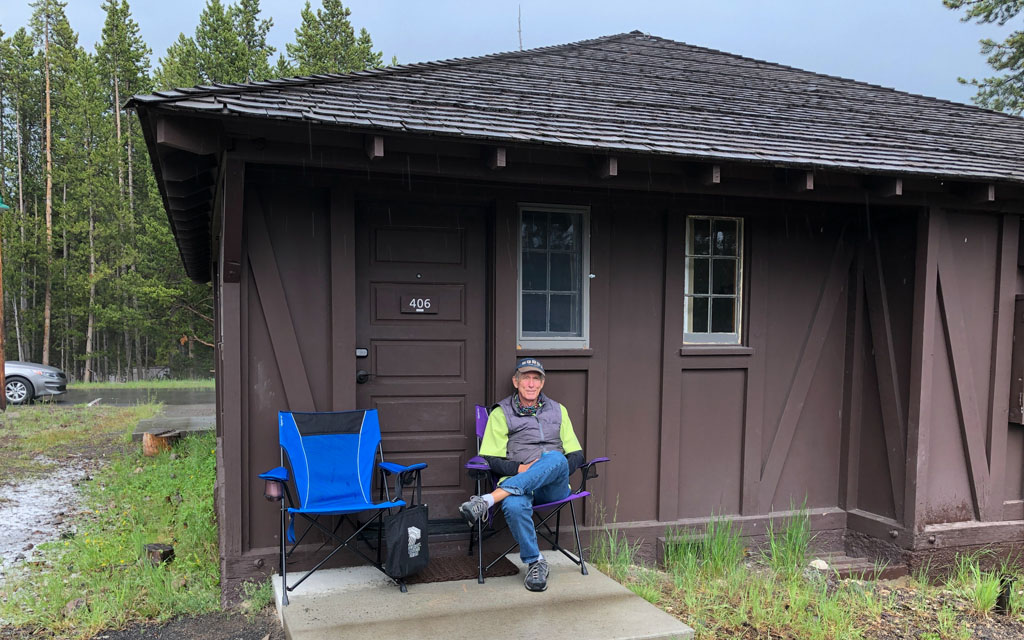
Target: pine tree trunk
column 49, row 199
column 117, row 126
column 92, row 299
column 67, row 309
column 21, row 223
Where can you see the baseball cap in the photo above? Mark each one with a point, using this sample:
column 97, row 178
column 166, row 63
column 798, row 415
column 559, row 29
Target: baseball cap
column 529, row 364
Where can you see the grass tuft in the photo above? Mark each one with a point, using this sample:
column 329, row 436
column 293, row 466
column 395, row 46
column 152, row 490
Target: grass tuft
column 715, row 552
column 787, row 549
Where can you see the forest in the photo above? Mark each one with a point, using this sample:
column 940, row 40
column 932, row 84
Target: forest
column 92, row 279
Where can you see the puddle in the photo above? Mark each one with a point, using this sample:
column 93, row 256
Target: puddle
column 129, row 397
column 34, row 511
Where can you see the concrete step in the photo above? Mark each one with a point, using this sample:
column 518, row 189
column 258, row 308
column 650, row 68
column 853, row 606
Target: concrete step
column 360, row 602
column 865, row 568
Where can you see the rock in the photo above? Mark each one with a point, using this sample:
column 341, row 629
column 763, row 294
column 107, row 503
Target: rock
column 819, row 564
column 173, row 456
column 19, row 557
column 73, row 606
column 28, row 547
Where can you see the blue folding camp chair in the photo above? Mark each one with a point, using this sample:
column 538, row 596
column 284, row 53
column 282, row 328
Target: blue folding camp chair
column 331, row 455
column 486, row 480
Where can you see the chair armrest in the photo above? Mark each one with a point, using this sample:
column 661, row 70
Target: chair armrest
column 589, row 470
column 392, row 467
column 478, row 463
column 279, row 474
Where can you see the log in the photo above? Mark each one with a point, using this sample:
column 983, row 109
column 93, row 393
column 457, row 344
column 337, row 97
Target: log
column 155, row 442
column 158, row 553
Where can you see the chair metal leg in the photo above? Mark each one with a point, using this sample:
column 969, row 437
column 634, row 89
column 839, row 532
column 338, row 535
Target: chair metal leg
column 284, row 559
column 480, row 551
column 579, row 546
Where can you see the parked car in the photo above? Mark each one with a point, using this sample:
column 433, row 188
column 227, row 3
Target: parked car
column 28, row 381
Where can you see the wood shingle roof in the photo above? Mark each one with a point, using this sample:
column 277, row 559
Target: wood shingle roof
column 637, row 93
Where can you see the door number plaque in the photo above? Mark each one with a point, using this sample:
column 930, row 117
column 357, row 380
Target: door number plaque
column 417, row 304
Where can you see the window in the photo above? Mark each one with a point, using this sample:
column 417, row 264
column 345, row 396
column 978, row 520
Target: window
column 553, row 289
column 713, row 307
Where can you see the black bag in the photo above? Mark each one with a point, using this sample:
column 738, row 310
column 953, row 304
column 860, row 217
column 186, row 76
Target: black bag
column 405, row 535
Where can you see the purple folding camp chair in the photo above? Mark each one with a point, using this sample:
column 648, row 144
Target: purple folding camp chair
column 480, row 471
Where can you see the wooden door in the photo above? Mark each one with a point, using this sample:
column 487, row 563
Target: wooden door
column 420, row 305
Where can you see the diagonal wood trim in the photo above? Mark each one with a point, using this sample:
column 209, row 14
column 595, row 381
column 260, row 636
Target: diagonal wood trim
column 1002, row 348
column 275, row 309
column 828, row 300
column 885, row 369
column 963, row 390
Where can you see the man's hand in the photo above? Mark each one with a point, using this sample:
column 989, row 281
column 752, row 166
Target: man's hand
column 524, row 467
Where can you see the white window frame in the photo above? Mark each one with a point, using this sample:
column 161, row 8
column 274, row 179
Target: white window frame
column 581, row 341
column 732, row 338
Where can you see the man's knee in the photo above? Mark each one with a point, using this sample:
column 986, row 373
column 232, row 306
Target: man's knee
column 516, row 504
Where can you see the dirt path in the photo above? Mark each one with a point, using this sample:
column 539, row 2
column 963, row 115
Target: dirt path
column 35, row 510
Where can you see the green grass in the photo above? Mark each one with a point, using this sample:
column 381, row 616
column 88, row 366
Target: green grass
column 132, row 502
column 979, row 587
column 710, row 582
column 716, row 551
column 788, row 546
column 202, row 383
column 33, row 436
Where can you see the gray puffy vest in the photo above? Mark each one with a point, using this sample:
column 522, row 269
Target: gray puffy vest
column 530, row 436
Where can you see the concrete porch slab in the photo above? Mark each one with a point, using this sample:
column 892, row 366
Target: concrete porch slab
column 360, row 602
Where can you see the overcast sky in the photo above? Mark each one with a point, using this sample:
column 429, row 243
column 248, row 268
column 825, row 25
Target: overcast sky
column 912, row 45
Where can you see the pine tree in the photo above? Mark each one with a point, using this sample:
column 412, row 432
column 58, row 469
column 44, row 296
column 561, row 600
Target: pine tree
column 253, row 33
column 180, row 65
column 229, row 45
column 1002, row 92
column 325, row 42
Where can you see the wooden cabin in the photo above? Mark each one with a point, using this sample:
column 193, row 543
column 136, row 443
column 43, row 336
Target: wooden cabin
column 753, row 286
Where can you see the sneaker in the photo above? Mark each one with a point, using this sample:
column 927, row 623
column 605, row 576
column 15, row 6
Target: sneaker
column 473, row 510
column 537, row 576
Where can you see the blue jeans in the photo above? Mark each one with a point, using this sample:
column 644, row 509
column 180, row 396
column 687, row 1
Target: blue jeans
column 546, row 481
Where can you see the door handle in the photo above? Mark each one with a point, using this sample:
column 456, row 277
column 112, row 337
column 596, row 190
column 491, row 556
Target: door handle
column 362, row 376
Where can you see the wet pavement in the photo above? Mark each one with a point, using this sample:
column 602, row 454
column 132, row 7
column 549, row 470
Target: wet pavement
column 129, row 397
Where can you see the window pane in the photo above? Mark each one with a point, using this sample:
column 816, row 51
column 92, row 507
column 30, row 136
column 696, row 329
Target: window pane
column 698, row 319
column 723, row 316
column 534, row 227
column 562, row 314
column 723, row 276
column 724, row 237
column 564, row 276
column 700, row 237
column 535, row 271
column 534, row 312
column 699, row 279
column 562, row 231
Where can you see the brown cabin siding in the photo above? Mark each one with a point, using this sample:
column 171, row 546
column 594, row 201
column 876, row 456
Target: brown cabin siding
column 816, row 404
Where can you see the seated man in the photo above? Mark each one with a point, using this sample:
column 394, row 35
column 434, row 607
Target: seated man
column 529, row 440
